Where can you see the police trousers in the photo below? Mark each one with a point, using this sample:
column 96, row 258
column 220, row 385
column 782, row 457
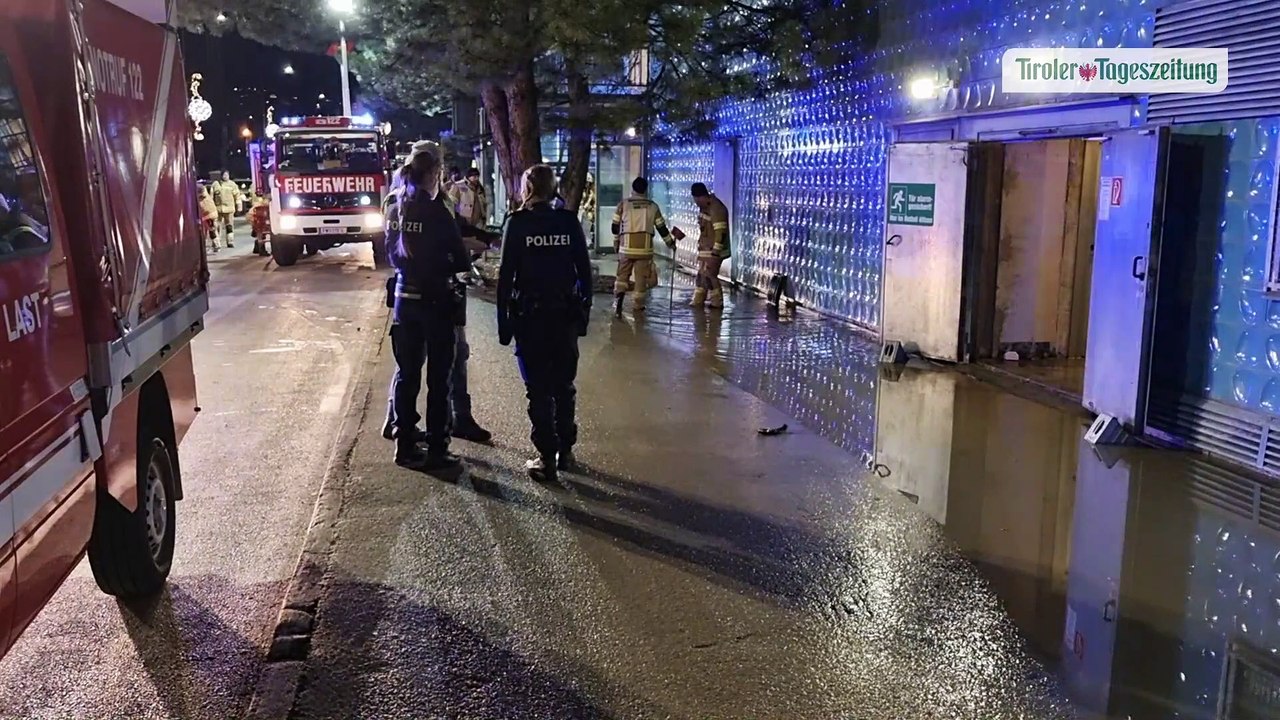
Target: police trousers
column 459, row 397
column 423, row 334
column 547, row 349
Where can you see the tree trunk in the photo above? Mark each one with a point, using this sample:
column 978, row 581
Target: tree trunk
column 574, row 180
column 526, row 135
column 499, row 115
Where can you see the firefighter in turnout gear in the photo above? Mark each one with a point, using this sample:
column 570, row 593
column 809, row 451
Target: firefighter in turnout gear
column 426, row 250
column 228, row 197
column 634, row 223
column 713, row 246
column 469, row 200
column 544, row 302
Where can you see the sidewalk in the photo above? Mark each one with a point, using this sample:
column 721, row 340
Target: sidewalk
column 695, row 570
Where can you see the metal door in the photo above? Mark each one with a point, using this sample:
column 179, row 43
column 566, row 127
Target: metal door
column 924, row 247
column 1125, row 260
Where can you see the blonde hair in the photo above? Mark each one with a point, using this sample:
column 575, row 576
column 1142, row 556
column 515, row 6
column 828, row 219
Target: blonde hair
column 538, row 184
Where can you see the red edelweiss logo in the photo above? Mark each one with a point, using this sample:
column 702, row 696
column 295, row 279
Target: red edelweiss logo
column 1088, row 72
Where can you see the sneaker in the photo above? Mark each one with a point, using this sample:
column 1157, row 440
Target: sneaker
column 566, row 461
column 542, row 469
column 389, row 430
column 469, row 429
column 230, row 244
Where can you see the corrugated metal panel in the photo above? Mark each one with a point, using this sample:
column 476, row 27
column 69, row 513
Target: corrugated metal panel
column 1220, row 430
column 1250, row 30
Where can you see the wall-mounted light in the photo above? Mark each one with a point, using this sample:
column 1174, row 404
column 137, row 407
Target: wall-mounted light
column 631, row 132
column 924, row 88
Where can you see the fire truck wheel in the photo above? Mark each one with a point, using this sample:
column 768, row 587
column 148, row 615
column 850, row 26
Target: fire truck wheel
column 285, row 250
column 131, row 553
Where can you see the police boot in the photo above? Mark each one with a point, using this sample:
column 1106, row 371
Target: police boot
column 389, row 427
column 440, row 459
column 699, row 297
column 716, row 299
column 566, row 461
column 542, row 469
column 409, row 454
column 466, row 428
column 617, row 305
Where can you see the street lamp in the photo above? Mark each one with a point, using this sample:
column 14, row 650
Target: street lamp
column 288, row 69
column 246, row 133
column 343, row 8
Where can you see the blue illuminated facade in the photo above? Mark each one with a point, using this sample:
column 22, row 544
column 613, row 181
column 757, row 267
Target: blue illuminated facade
column 811, row 167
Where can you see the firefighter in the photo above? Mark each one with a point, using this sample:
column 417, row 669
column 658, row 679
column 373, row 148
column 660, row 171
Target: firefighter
column 544, row 301
column 209, row 218
column 464, row 425
column 469, row 200
column 426, row 251
column 713, row 246
column 634, row 223
column 227, row 196
column 260, row 224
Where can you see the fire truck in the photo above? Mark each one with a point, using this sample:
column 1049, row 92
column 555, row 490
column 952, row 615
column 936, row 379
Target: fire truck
column 103, row 285
column 328, row 180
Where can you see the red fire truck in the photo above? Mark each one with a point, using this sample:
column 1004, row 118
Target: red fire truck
column 102, row 287
column 328, row 179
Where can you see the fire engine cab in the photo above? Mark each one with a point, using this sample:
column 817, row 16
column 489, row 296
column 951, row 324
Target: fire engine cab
column 102, row 288
column 328, row 178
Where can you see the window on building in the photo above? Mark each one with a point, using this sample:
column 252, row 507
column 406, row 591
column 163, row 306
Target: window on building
column 24, row 215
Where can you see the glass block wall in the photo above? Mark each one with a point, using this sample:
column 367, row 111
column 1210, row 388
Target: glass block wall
column 811, row 165
column 671, row 171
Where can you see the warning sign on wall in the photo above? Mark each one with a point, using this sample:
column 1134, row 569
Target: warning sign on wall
column 912, row 203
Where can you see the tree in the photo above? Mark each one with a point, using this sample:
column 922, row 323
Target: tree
column 513, row 53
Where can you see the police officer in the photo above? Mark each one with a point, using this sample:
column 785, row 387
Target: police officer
column 464, row 425
column 634, row 222
column 544, row 297
column 426, row 251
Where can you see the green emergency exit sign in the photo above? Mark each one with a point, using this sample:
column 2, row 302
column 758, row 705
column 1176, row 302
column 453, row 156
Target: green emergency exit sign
column 912, row 203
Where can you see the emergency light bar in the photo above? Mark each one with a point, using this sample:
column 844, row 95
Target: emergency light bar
column 359, row 121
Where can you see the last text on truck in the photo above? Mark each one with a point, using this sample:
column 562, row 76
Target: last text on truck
column 103, row 284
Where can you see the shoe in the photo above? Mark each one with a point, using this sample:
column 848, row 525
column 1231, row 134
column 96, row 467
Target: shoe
column 469, row 429
column 418, row 434
column 617, row 306
column 543, row 469
column 230, row 244
column 441, row 460
column 389, row 430
column 566, row 461
column 716, row 299
column 699, row 297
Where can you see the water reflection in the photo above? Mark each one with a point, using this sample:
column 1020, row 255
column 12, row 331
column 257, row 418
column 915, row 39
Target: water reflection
column 1149, row 579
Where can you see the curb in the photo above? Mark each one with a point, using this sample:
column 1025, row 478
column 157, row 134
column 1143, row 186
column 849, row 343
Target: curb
column 277, row 686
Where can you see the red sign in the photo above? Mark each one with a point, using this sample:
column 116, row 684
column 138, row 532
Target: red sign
column 336, row 122
column 1117, row 191
column 326, row 184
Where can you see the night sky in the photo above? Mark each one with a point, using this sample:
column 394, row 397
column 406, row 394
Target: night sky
column 242, row 77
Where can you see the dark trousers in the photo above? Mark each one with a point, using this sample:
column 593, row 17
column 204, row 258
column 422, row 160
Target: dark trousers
column 547, row 348
column 459, row 396
column 423, row 334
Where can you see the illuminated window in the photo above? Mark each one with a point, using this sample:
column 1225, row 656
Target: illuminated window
column 24, row 215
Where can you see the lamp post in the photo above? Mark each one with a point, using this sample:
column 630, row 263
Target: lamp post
column 343, row 8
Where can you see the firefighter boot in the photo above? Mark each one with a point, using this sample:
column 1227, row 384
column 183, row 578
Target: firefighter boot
column 716, row 299
column 617, row 306
column 699, row 297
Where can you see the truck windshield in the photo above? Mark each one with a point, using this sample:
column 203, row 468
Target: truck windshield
column 297, row 154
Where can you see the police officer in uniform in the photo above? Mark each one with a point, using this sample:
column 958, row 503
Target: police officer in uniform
column 426, row 251
column 544, row 298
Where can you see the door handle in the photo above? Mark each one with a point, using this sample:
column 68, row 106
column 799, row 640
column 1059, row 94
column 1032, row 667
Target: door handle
column 1139, row 274
column 893, row 240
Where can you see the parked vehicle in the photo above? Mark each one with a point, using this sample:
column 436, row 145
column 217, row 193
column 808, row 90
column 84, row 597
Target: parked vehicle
column 328, row 178
column 102, row 287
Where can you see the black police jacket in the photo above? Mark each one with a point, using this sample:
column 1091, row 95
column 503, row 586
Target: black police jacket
column 425, row 247
column 544, row 255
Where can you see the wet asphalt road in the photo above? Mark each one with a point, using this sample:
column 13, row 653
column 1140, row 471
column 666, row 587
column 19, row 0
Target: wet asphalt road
column 273, row 367
column 693, row 570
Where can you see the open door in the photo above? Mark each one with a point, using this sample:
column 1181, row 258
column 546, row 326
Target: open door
column 1125, row 261
column 924, row 247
